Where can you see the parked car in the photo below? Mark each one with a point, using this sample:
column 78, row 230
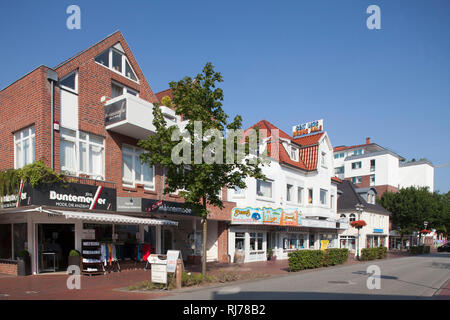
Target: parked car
column 444, row 248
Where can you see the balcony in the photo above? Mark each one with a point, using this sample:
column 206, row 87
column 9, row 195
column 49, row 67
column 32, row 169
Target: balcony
column 131, row 116
column 314, row 223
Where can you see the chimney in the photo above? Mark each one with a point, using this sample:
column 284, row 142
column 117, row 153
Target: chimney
column 367, row 140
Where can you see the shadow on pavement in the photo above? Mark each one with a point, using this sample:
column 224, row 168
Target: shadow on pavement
column 252, row 295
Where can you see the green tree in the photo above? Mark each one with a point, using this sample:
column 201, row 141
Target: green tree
column 411, row 207
column 200, row 182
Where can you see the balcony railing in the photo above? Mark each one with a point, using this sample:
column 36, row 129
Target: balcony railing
column 132, row 116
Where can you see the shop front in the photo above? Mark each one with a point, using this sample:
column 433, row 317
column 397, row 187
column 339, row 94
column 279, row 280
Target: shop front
column 378, row 238
column 52, row 220
column 255, row 231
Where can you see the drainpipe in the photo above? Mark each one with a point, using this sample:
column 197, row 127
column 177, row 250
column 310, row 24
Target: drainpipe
column 52, row 76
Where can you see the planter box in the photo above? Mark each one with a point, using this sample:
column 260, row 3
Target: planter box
column 74, row 261
column 24, row 266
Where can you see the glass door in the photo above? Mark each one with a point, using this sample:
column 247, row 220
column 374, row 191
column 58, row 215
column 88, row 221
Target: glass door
column 54, row 242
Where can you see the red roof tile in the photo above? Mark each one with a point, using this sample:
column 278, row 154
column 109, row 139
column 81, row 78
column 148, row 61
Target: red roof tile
column 309, row 140
column 341, row 148
column 336, row 179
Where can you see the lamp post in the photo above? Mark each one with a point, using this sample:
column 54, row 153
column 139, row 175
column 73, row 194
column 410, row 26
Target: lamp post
column 359, row 208
column 425, row 223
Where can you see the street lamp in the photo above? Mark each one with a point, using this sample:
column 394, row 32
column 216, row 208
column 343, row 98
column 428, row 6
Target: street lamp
column 359, row 208
column 425, row 223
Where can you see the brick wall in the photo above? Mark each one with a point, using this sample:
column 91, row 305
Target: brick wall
column 8, row 268
column 27, row 102
column 222, row 250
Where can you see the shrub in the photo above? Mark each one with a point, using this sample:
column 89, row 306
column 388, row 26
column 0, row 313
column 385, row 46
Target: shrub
column 23, row 254
column 426, row 249
column 191, row 279
column 310, row 259
column 335, row 256
column 74, row 253
column 382, row 252
column 419, row 249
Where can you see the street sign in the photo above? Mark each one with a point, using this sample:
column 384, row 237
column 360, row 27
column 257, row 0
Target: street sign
column 159, row 268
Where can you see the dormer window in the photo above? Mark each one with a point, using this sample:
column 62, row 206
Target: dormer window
column 115, row 59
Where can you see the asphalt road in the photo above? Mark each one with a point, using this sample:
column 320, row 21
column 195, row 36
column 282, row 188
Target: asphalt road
column 418, row 277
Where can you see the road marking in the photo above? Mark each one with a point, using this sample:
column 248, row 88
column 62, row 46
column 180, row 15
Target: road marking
column 229, row 290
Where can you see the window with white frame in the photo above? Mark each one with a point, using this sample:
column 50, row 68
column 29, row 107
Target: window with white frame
column 372, row 179
column 82, row 153
column 356, row 165
column 339, row 170
column 237, row 191
column 264, row 188
column 357, row 180
column 310, row 195
column 294, row 154
column 324, row 159
column 118, row 89
column 24, row 147
column 323, row 196
column 134, row 171
column 70, row 82
column 352, row 217
column 300, row 195
column 117, row 61
column 357, row 152
column 289, row 192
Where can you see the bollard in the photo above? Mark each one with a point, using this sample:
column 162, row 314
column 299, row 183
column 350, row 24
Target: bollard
column 178, row 273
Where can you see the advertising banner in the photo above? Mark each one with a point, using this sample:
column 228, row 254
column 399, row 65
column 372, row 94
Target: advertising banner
column 160, row 206
column 266, row 216
column 70, row 195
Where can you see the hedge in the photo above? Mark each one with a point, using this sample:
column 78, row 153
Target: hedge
column 310, row 259
column 419, row 249
column 373, row 253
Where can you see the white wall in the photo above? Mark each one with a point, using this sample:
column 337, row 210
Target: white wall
column 421, row 175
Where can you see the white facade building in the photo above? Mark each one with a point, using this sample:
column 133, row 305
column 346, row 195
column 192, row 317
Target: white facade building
column 370, row 165
column 376, row 232
column 299, row 185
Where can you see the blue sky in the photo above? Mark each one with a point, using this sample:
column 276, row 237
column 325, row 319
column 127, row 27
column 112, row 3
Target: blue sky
column 285, row 61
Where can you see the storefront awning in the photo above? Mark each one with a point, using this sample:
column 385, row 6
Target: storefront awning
column 113, row 218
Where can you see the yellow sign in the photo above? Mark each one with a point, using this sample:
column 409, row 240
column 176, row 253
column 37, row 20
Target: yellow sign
column 324, row 244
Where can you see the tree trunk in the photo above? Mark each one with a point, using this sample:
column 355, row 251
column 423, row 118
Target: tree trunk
column 204, row 236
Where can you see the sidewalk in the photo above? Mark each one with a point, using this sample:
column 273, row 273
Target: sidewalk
column 53, row 286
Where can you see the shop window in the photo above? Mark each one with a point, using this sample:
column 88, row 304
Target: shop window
column 289, row 189
column 126, row 233
column 239, row 241
column 20, row 237
column 5, row 241
column 348, row 242
column 134, row 171
column 82, row 153
column 24, row 145
column 294, row 241
column 331, row 238
column 150, row 236
column 256, row 241
column 264, row 188
column 103, row 232
column 310, row 196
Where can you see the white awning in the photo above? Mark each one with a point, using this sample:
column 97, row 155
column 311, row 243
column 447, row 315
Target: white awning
column 113, row 218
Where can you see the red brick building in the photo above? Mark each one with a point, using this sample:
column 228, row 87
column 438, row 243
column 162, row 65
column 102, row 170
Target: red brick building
column 97, row 146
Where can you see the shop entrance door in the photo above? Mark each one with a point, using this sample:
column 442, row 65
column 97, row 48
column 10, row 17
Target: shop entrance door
column 54, row 244
column 311, row 241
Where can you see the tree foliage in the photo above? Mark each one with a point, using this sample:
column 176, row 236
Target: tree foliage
column 411, row 207
column 199, row 183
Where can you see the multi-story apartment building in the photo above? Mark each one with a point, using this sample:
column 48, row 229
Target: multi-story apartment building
column 295, row 208
column 370, row 165
column 84, row 118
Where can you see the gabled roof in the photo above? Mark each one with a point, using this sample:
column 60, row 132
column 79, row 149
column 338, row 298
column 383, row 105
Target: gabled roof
column 349, row 198
column 308, row 147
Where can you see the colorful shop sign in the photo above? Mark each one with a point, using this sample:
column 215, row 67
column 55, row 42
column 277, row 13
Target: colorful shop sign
column 266, row 216
column 307, row 128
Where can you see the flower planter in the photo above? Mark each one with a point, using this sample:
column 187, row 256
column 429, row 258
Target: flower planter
column 23, row 266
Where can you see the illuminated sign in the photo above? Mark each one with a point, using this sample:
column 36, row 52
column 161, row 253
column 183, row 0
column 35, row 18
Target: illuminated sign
column 266, row 216
column 307, row 128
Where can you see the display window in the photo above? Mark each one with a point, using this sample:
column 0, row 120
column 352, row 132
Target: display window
column 294, row 241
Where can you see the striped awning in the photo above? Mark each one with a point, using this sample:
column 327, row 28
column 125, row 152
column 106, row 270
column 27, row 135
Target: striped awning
column 113, row 218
